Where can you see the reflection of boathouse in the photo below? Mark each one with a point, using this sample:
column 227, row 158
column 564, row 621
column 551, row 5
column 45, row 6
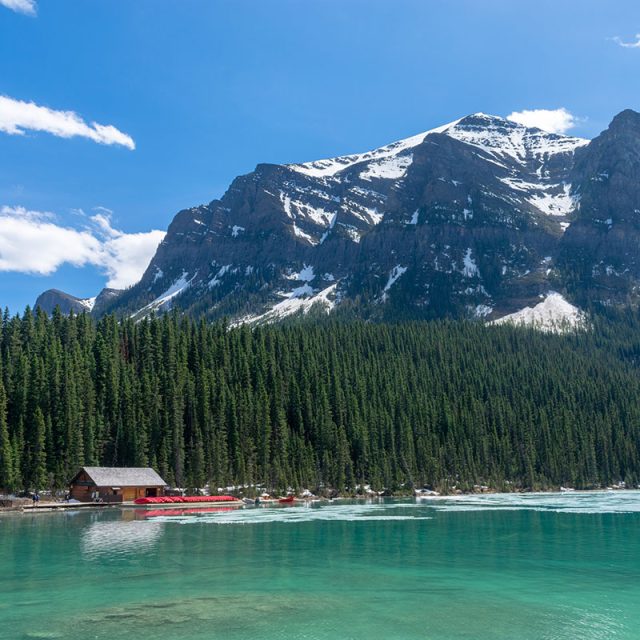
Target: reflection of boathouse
column 115, row 484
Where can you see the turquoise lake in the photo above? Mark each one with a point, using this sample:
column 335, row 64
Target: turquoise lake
column 517, row 567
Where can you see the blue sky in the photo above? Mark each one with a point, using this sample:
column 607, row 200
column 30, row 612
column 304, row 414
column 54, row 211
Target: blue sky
column 206, row 89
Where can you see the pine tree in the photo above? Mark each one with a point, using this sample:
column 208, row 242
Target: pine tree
column 7, row 476
column 38, row 467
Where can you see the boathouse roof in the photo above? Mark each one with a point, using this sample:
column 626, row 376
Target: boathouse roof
column 123, row 476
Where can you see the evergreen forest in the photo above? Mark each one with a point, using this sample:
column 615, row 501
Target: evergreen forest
column 328, row 405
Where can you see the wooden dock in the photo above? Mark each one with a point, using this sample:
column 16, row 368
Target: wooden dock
column 61, row 506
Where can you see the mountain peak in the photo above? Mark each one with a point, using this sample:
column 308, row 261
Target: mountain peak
column 490, row 132
column 625, row 120
column 481, row 118
column 503, row 138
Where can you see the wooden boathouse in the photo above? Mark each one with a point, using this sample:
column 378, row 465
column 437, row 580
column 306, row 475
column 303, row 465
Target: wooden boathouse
column 115, row 484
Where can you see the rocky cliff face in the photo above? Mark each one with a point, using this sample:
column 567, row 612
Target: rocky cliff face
column 599, row 254
column 478, row 218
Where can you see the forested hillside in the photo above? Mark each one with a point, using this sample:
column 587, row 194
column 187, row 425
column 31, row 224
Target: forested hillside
column 333, row 404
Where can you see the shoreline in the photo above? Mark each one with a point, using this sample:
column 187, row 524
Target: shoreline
column 51, row 507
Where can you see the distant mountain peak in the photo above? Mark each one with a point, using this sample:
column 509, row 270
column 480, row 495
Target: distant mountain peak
column 52, row 298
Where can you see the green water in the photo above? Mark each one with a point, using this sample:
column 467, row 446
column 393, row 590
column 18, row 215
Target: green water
column 499, row 567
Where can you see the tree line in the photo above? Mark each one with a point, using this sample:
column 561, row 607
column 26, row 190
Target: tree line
column 328, row 405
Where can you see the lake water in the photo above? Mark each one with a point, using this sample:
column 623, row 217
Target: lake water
column 538, row 566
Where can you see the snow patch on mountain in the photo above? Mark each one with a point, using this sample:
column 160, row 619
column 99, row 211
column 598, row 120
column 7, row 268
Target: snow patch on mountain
column 558, row 203
column 293, row 304
column 163, row 301
column 331, row 166
column 470, row 268
column 88, row 303
column 353, row 233
column 396, row 272
column 286, row 204
column 175, row 289
column 300, row 292
column 306, row 274
column 554, row 314
column 482, row 310
column 302, row 234
column 391, row 168
column 551, row 199
column 318, row 215
column 299, row 210
column 217, row 279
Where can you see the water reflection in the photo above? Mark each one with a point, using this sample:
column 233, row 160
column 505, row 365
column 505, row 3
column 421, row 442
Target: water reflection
column 353, row 511
column 106, row 539
column 144, row 514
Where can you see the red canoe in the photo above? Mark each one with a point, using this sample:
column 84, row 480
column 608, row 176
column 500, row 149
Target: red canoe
column 185, row 499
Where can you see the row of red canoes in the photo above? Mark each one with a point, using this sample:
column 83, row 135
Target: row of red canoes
column 184, row 499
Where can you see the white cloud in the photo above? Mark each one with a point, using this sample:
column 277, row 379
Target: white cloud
column 628, row 45
column 551, row 120
column 32, row 242
column 21, row 6
column 17, row 117
column 125, row 256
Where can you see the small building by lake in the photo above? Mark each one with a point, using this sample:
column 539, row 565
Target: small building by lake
column 115, row 484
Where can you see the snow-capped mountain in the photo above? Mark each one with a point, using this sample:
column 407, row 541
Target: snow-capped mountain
column 480, row 217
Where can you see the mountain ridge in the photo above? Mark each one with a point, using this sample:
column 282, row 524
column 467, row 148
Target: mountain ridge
column 470, row 219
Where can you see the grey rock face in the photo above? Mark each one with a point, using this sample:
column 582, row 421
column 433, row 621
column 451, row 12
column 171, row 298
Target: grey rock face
column 52, row 298
column 600, row 251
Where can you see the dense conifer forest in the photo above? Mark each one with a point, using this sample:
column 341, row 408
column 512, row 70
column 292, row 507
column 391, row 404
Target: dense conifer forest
column 329, row 405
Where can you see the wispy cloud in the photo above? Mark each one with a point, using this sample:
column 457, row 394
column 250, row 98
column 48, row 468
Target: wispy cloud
column 628, row 45
column 18, row 117
column 551, row 120
column 27, row 7
column 34, row 242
